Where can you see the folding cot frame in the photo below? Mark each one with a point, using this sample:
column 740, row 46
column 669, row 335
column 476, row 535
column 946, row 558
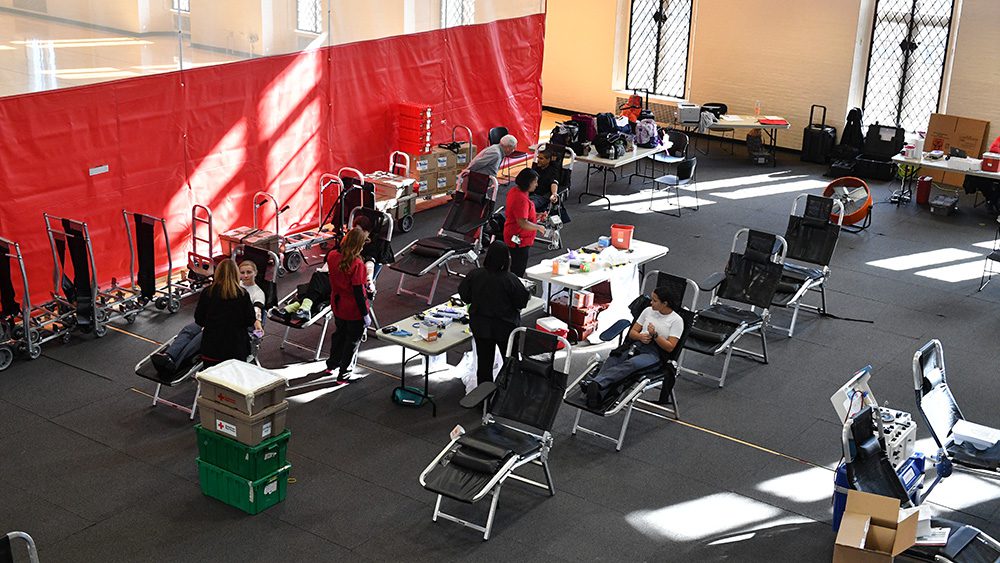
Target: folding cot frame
column 633, row 396
column 729, row 344
column 538, row 457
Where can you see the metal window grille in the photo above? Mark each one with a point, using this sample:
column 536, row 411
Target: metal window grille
column 182, row 5
column 658, row 39
column 458, row 12
column 906, row 61
column 309, row 16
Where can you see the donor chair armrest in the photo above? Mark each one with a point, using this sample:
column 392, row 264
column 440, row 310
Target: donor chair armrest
column 478, row 395
column 615, row 330
column 712, row 281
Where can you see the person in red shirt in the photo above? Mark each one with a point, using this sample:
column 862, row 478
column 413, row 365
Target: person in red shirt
column 349, row 301
column 522, row 222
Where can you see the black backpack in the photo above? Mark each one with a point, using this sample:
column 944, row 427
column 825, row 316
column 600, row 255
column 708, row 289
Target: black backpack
column 566, row 134
column 610, row 145
column 606, row 123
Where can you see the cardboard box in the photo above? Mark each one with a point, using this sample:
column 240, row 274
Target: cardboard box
column 946, row 131
column 465, row 156
column 444, row 158
column 425, row 183
column 874, row 529
column 245, row 387
column 446, row 180
column 422, row 164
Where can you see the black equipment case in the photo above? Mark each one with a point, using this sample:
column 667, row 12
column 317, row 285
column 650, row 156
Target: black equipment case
column 881, row 144
column 818, row 138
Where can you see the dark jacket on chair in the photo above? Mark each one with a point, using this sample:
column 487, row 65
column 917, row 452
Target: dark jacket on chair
column 224, row 325
column 495, row 301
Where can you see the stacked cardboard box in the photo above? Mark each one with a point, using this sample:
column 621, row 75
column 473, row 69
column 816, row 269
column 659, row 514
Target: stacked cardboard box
column 945, row 132
column 581, row 315
column 242, row 438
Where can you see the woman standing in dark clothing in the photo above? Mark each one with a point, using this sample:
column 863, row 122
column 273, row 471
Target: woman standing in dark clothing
column 224, row 312
column 495, row 297
column 349, row 300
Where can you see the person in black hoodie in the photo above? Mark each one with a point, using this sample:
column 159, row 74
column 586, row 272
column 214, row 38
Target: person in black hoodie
column 224, row 312
column 495, row 297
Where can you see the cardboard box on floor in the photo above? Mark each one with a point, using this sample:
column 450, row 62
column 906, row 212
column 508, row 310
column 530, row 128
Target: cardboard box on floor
column 947, row 131
column 425, row 184
column 874, row 529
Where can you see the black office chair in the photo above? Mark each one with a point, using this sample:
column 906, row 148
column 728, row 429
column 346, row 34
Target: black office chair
column 677, row 152
column 516, row 157
column 720, row 109
column 683, row 177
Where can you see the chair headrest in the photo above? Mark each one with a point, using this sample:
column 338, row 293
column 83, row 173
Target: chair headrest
column 818, row 208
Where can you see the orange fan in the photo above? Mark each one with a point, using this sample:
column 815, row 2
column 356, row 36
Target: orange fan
column 856, row 197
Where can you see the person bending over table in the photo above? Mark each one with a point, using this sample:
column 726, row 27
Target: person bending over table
column 488, row 162
column 349, row 300
column 655, row 332
column 521, row 224
column 495, row 297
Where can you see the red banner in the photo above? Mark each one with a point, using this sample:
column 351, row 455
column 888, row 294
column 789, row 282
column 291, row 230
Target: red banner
column 216, row 135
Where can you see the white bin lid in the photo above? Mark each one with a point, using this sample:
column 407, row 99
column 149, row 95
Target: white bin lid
column 241, row 377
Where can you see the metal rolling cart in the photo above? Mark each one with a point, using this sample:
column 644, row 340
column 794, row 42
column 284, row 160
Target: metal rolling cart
column 18, row 334
column 394, row 190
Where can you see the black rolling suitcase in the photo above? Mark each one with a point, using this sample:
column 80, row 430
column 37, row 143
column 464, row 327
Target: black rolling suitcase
column 818, row 139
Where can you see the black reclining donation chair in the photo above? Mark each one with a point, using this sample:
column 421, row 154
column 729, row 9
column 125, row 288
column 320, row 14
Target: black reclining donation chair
column 812, row 239
column 627, row 394
column 458, row 239
column 749, row 282
column 869, row 470
column 515, row 431
column 379, row 225
column 185, row 371
column 7, row 551
column 940, row 412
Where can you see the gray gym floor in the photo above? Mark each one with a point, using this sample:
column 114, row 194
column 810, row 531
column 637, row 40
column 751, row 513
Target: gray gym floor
column 94, row 473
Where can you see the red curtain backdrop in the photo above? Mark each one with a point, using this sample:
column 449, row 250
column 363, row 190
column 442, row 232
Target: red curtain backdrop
column 216, row 135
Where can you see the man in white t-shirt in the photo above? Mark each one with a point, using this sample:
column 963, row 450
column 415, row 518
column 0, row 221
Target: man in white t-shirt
column 655, row 332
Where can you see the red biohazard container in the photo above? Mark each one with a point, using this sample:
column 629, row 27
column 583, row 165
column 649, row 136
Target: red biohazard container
column 621, row 236
column 924, row 190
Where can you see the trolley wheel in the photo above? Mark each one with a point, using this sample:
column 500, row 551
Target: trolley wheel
column 174, row 305
column 406, row 223
column 34, row 352
column 6, row 357
column 18, row 332
column 102, row 315
column 66, row 337
column 100, row 330
column 282, row 271
column 293, row 261
column 160, row 303
column 130, row 317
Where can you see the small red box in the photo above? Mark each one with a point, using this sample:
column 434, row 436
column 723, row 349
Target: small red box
column 554, row 326
column 991, row 162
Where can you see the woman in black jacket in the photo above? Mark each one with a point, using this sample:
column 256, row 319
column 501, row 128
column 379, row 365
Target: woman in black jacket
column 495, row 297
column 224, row 312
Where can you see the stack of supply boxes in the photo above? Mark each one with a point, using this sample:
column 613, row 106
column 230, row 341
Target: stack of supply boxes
column 242, row 440
column 580, row 316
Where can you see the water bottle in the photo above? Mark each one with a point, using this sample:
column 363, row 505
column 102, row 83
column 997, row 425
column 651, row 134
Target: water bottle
column 756, row 108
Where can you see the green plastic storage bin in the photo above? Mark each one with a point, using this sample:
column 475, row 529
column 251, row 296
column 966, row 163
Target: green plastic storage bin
column 249, row 496
column 250, row 462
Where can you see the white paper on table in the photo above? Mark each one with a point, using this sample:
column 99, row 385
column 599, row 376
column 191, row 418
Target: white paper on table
column 772, row 117
column 729, row 118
